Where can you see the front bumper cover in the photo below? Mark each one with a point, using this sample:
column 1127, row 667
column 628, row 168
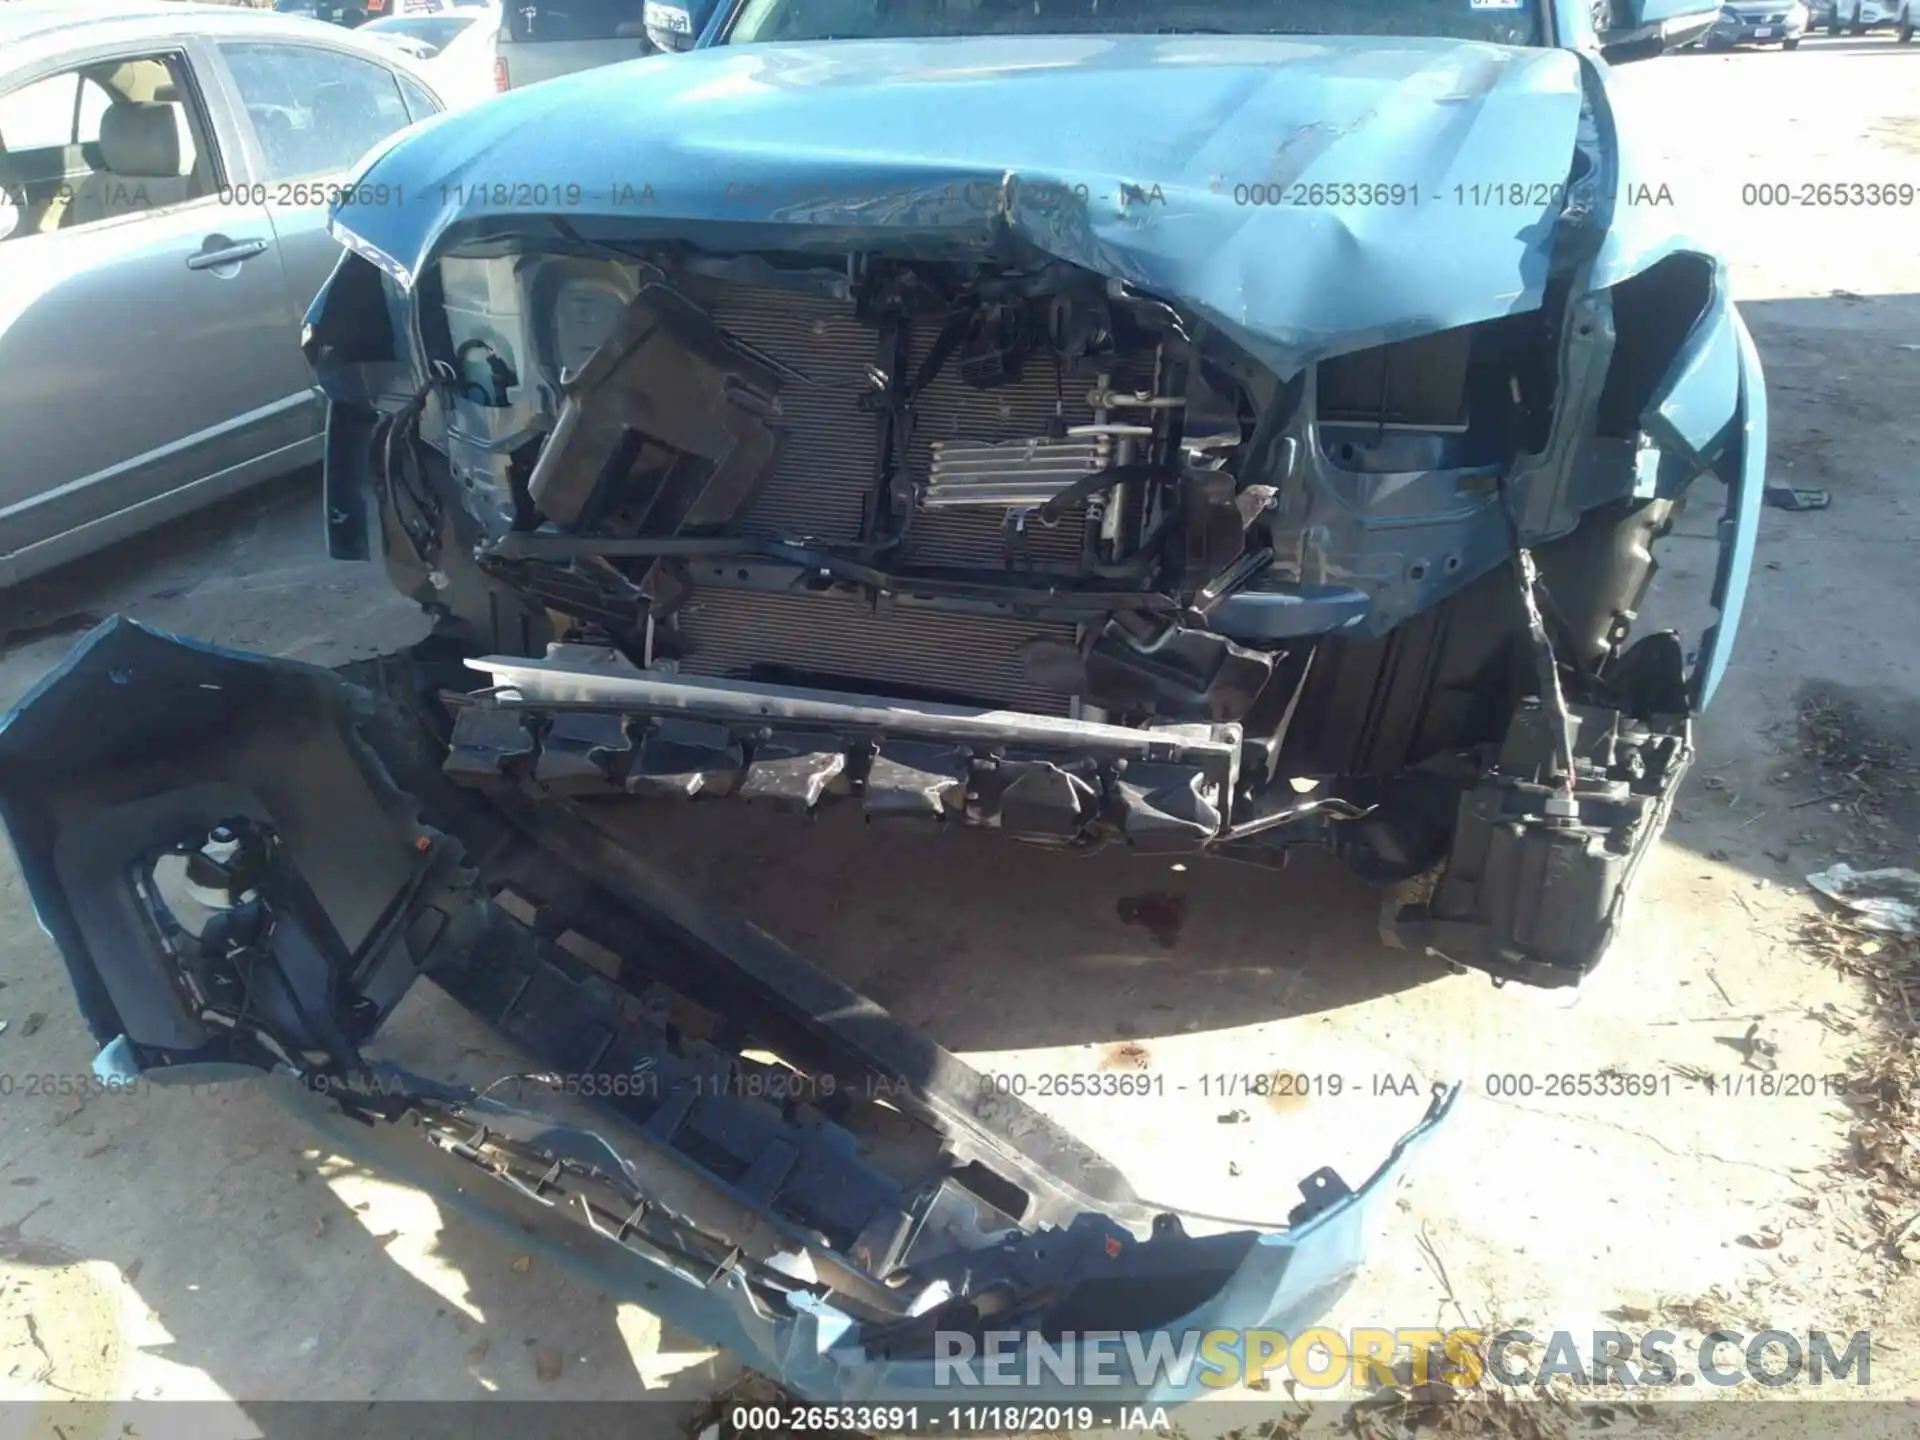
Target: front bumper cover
column 758, row 1220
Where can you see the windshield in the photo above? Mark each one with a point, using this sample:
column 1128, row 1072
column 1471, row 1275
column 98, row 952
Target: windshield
column 1504, row 22
column 434, row 30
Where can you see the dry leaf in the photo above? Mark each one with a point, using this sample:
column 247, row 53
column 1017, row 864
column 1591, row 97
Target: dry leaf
column 32, row 1023
column 1765, row 1238
column 523, row 1264
column 547, row 1361
column 477, row 1352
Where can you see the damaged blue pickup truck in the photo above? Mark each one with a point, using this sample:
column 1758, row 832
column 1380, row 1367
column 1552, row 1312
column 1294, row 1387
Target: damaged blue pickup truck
column 1207, row 426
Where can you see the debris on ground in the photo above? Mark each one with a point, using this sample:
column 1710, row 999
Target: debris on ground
column 1887, row 900
column 1797, row 497
column 1713, row 1310
column 547, row 1363
column 1761, row 1053
column 1842, row 745
column 1885, row 1091
column 31, row 1025
column 1446, row 1401
column 1857, row 774
column 749, row 1393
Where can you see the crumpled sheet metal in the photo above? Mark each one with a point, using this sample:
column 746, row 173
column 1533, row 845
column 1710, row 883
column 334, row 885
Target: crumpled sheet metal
column 1128, row 155
column 1885, row 900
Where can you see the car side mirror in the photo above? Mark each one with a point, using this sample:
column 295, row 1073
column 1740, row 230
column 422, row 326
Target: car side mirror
column 1640, row 29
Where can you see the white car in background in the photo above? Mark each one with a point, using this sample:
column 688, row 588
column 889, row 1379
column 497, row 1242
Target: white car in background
column 453, row 47
column 1859, row 16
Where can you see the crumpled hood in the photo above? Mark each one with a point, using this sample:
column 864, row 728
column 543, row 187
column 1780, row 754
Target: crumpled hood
column 1180, row 146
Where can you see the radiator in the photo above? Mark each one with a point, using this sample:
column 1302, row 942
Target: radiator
column 826, row 467
column 818, row 490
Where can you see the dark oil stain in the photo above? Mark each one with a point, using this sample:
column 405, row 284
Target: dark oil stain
column 16, row 1247
column 1126, row 1055
column 1159, row 912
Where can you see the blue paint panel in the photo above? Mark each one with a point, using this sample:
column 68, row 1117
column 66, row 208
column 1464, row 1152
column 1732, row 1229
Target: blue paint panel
column 1740, row 527
column 1286, row 1282
column 1185, row 165
column 1695, row 407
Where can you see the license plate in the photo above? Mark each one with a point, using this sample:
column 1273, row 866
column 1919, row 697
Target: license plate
column 1761, row 32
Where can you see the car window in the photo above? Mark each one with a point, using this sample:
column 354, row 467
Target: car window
column 576, row 19
column 145, row 145
column 315, row 110
column 1509, row 22
column 419, row 103
column 39, row 116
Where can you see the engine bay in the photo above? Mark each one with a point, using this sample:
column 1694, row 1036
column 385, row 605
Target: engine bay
column 1016, row 546
column 936, row 483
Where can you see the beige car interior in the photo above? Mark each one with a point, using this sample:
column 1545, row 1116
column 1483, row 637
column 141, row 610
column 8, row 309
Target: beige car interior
column 148, row 153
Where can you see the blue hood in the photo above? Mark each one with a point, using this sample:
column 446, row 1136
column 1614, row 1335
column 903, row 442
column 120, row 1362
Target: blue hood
column 1250, row 178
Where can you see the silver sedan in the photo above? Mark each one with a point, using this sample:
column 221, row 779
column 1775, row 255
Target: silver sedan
column 165, row 171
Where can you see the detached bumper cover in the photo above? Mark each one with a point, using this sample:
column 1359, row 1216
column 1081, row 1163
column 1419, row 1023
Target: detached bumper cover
column 1286, row 1282
column 753, row 1215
